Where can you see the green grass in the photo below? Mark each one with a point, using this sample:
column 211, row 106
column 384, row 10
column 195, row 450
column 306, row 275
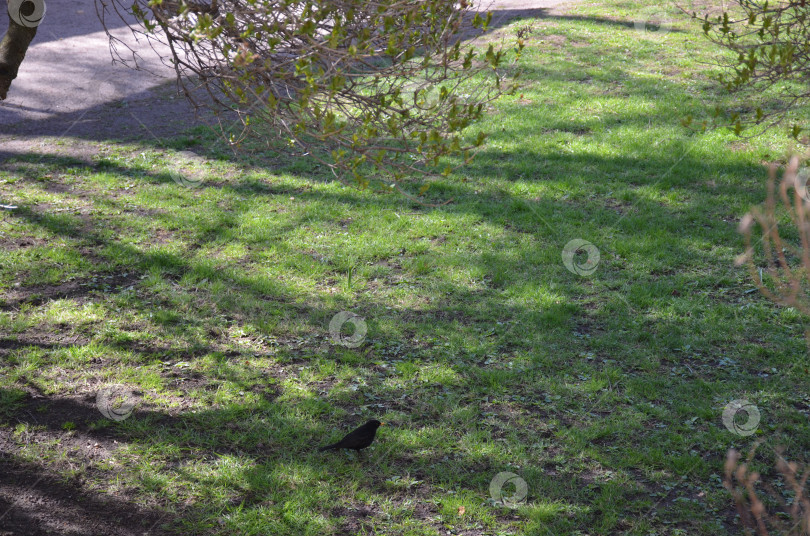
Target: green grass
column 483, row 353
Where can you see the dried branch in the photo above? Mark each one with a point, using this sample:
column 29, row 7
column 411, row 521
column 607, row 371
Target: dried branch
column 786, row 264
column 793, row 518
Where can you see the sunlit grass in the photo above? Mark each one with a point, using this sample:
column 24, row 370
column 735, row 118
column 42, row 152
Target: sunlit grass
column 483, row 352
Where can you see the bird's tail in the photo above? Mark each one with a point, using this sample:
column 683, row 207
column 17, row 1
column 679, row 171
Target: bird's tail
column 328, row 447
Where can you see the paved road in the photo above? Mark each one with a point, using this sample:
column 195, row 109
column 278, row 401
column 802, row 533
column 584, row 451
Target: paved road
column 69, row 86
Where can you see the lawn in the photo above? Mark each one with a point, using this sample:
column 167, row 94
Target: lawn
column 210, row 299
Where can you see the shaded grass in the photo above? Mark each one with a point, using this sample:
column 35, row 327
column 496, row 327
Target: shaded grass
column 484, row 354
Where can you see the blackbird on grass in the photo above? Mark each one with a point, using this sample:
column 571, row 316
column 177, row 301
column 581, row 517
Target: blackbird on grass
column 357, row 439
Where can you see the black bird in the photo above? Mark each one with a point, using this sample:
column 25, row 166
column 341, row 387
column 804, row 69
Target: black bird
column 357, row 439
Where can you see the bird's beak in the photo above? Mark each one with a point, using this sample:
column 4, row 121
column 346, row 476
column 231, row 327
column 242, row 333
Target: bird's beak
column 382, row 424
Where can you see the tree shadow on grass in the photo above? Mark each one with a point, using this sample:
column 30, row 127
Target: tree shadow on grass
column 535, row 217
column 504, row 17
column 60, row 496
column 248, row 293
column 246, row 298
column 271, row 454
column 35, row 501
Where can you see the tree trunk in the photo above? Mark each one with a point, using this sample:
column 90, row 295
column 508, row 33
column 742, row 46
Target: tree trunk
column 12, row 52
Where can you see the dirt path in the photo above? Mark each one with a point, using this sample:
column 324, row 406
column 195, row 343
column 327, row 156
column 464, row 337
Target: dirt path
column 68, row 86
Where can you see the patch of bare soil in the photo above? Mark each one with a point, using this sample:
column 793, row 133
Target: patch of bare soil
column 36, row 499
column 35, row 502
column 77, row 290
